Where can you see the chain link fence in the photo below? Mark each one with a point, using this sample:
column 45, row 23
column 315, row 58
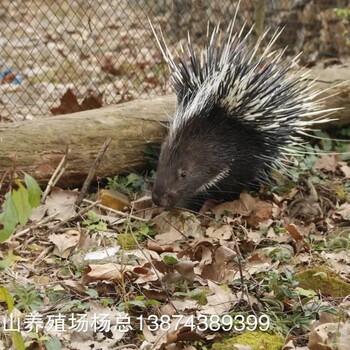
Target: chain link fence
column 100, row 46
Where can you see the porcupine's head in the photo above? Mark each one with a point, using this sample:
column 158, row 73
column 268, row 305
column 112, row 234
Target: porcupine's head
column 238, row 114
column 192, row 158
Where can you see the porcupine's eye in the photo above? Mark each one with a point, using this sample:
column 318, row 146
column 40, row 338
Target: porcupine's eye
column 182, row 174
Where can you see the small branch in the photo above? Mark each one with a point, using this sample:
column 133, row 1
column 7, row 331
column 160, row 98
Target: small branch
column 55, row 176
column 42, row 255
column 165, row 290
column 244, row 288
column 124, row 215
column 77, row 215
column 32, row 227
column 92, row 172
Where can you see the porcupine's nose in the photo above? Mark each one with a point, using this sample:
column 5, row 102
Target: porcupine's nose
column 165, row 200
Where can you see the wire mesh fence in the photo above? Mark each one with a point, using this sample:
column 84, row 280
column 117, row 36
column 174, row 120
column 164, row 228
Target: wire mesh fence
column 100, row 46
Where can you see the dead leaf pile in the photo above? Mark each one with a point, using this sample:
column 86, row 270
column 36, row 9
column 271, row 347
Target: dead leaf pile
column 244, row 257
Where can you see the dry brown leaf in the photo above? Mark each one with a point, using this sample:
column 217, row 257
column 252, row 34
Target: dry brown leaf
column 328, row 162
column 69, row 103
column 61, row 202
column 64, row 243
column 346, row 170
column 339, row 261
column 295, row 232
column 223, row 232
column 224, row 254
column 242, row 206
column 344, row 211
column 183, row 221
column 38, row 213
column 144, row 256
column 87, row 240
column 83, row 339
column 324, row 336
column 343, row 337
column 205, row 255
column 258, row 262
column 169, row 237
column 221, row 300
column 254, row 236
column 185, row 269
column 220, row 273
column 91, row 102
column 145, row 275
column 252, row 209
column 73, row 286
column 154, row 294
column 159, row 248
column 185, row 305
column 109, row 272
column 289, row 345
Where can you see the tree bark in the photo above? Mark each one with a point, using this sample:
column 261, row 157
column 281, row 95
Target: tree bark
column 37, row 146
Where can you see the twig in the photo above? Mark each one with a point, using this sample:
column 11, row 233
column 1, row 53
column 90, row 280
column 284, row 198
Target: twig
column 55, row 176
column 240, row 259
column 73, row 217
column 42, row 255
column 121, row 213
column 92, row 172
column 38, row 224
column 156, row 272
column 244, row 288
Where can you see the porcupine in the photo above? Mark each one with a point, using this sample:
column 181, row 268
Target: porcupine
column 240, row 113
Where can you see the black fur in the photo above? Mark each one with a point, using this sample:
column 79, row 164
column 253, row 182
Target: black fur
column 203, row 147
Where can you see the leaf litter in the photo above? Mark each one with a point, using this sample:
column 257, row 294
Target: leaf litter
column 162, row 280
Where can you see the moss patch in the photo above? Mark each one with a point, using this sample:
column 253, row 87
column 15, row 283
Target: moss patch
column 256, row 340
column 126, row 241
column 322, row 281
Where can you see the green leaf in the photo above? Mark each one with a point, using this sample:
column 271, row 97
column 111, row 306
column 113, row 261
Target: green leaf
column 8, row 218
column 34, row 190
column 138, row 303
column 153, row 303
column 21, row 200
column 170, row 260
column 18, row 341
column 305, row 292
column 5, row 296
column 7, row 261
column 92, row 292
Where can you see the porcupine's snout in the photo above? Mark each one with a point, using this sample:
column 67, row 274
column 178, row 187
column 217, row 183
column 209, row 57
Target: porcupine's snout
column 163, row 199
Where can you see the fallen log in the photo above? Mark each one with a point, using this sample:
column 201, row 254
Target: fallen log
column 39, row 145
column 335, row 82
